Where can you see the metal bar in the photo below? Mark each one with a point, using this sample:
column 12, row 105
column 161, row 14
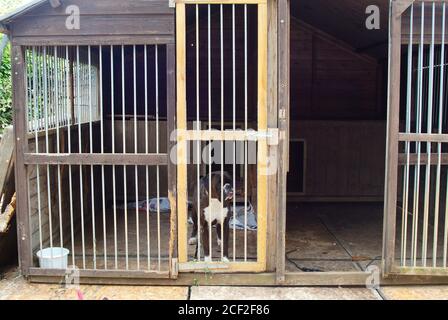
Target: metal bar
column 47, row 146
column 148, row 234
column 234, row 125
column 114, row 182
column 439, row 145
column 103, row 191
column 198, row 128
column 419, row 130
column 209, row 69
column 159, row 243
column 123, row 105
column 221, row 27
column 428, row 147
column 137, row 222
column 245, row 128
column 61, row 236
column 92, row 176
column 81, row 191
column 405, row 211
column 69, row 144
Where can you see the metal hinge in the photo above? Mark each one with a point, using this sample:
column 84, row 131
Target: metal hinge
column 172, row 3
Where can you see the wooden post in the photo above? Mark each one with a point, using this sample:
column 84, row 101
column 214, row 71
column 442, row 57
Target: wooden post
column 390, row 200
column 272, row 123
column 283, row 119
column 20, row 126
column 171, row 126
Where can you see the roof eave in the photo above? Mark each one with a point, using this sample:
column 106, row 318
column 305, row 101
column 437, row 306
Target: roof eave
column 5, row 20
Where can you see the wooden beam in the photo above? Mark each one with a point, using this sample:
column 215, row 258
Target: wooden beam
column 413, row 159
column 283, row 118
column 96, row 159
column 20, row 126
column 262, row 127
column 423, row 137
column 392, row 143
column 182, row 175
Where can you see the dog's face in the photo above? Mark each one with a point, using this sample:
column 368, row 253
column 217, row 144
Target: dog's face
column 228, row 192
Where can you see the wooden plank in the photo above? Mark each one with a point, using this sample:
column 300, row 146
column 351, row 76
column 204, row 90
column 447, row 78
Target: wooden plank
column 413, row 159
column 101, row 273
column 393, row 122
column 96, row 159
column 283, row 106
column 182, row 176
column 20, row 126
column 96, row 25
column 7, row 145
column 221, row 1
column 171, row 127
column 272, row 123
column 107, row 7
column 93, row 40
column 423, row 137
column 262, row 170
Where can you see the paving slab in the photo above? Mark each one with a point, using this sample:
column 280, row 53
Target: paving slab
column 416, row 292
column 267, row 293
column 15, row 287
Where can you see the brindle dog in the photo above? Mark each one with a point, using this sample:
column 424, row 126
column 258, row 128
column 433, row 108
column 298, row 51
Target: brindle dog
column 213, row 212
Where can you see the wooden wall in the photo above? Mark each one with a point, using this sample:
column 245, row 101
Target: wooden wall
column 344, row 159
column 329, row 80
column 113, row 20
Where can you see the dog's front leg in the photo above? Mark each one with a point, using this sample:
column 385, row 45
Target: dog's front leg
column 226, row 239
column 205, row 241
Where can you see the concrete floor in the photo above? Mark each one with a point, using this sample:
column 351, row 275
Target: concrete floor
column 15, row 287
column 333, row 236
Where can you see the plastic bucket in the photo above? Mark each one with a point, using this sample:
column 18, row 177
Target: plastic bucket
column 53, row 258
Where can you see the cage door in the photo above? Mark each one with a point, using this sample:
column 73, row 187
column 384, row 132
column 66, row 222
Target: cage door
column 416, row 211
column 223, row 137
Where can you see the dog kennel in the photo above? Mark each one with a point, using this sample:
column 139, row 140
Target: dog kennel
column 123, row 108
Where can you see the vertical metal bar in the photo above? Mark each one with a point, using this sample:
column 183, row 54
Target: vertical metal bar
column 47, row 146
column 114, row 184
column 37, row 93
column 414, row 246
column 198, row 128
column 245, row 128
column 148, row 234
column 81, row 191
column 137, row 222
column 429, row 147
column 157, row 151
column 234, row 126
column 405, row 208
column 92, row 178
column 69, row 144
column 103, row 195
column 58, row 120
column 209, row 69
column 221, row 27
column 439, row 145
column 123, row 105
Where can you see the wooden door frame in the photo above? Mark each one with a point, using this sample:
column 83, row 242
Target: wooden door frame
column 182, row 138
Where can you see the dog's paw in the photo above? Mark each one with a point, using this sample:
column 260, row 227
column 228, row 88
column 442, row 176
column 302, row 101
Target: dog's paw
column 193, row 241
column 207, row 259
column 225, row 260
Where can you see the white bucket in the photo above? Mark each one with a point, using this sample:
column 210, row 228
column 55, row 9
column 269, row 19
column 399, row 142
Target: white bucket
column 53, row 258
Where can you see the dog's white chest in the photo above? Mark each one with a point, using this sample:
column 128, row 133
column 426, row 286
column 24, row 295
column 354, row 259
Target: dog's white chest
column 215, row 211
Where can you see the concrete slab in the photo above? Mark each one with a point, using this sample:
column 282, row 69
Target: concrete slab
column 416, row 292
column 248, row 293
column 15, row 287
